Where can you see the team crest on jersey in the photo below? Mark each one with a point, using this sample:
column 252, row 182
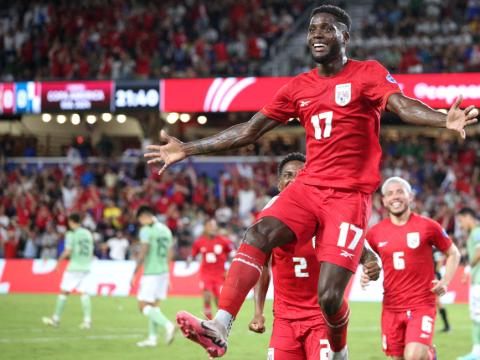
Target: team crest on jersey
column 413, row 240
column 343, row 94
column 217, row 249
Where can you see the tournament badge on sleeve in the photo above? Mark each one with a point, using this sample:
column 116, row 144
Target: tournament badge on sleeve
column 343, row 94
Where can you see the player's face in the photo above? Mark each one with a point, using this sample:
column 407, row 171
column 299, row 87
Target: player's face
column 289, row 172
column 397, row 198
column 325, row 38
column 211, row 228
column 464, row 222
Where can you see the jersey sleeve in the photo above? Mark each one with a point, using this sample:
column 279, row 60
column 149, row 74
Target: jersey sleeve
column 475, row 237
column 228, row 246
column 168, row 235
column 440, row 238
column 281, row 108
column 69, row 241
column 379, row 84
column 144, row 236
column 370, row 240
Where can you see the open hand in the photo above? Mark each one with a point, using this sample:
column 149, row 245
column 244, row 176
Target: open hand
column 458, row 119
column 167, row 154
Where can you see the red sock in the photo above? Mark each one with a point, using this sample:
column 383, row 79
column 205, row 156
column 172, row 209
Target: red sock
column 242, row 276
column 207, row 310
column 337, row 327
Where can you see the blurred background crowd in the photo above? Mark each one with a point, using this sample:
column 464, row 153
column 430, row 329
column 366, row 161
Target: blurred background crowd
column 35, row 200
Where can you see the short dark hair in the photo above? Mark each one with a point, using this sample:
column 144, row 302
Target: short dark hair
column 75, row 217
column 467, row 211
column 340, row 14
column 145, row 209
column 295, row 156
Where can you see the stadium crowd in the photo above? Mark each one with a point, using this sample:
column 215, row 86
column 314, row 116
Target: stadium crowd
column 35, row 200
column 143, row 39
column 139, row 39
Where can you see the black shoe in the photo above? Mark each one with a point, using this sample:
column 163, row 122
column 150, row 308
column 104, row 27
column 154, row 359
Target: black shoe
column 446, row 329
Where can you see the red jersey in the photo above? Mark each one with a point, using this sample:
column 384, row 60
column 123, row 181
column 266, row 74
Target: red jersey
column 214, row 255
column 295, row 271
column 406, row 253
column 341, row 117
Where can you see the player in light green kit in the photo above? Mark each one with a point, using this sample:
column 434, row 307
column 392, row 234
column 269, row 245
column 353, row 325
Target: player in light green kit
column 79, row 248
column 156, row 240
column 469, row 223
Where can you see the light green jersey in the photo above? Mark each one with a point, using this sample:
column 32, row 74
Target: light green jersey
column 473, row 243
column 80, row 243
column 159, row 238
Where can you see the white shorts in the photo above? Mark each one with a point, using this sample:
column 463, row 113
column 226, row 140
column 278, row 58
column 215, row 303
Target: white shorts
column 74, row 280
column 475, row 302
column 153, row 287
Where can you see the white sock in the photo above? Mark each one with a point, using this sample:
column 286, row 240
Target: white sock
column 224, row 318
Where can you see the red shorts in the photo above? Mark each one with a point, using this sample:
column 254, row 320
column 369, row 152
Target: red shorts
column 299, row 340
column 214, row 285
column 338, row 218
column 402, row 327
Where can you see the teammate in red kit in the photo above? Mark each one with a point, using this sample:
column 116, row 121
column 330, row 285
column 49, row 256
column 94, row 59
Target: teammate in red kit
column 299, row 330
column 404, row 242
column 339, row 104
column 215, row 250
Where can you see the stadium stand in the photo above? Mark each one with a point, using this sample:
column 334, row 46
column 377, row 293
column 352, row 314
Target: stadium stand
column 139, row 39
column 33, row 208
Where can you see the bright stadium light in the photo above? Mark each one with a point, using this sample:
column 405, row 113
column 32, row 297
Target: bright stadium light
column 121, row 118
column 61, row 119
column 75, row 119
column 202, row 120
column 172, row 118
column 46, row 117
column 91, row 119
column 185, row 118
column 107, row 117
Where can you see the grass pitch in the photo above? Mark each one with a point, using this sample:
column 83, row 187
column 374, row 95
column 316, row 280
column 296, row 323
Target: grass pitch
column 117, row 326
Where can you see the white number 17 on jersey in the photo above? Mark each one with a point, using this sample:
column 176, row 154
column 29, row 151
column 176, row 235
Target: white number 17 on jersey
column 327, row 131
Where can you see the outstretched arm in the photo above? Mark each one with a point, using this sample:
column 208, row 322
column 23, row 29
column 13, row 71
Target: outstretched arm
column 232, row 138
column 413, row 111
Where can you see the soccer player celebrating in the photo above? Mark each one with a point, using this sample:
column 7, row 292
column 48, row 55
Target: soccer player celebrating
column 156, row 240
column 339, row 104
column 299, row 330
column 79, row 248
column 404, row 241
column 468, row 222
column 215, row 250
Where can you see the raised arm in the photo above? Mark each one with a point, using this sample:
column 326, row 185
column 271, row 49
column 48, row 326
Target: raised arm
column 413, row 111
column 232, row 138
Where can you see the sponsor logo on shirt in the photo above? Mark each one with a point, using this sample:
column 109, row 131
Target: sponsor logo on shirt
column 382, row 244
column 424, row 336
column 391, row 79
column 346, row 254
column 343, row 94
column 304, row 103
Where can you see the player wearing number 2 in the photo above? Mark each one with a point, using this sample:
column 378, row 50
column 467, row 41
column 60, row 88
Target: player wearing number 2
column 156, row 240
column 299, row 330
column 215, row 250
column 404, row 242
column 79, row 248
column 339, row 104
